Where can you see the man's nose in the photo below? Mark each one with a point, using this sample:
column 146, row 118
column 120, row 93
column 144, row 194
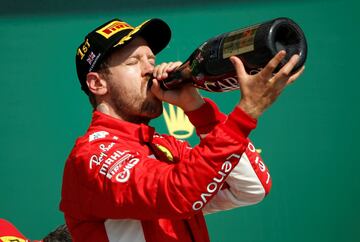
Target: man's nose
column 148, row 68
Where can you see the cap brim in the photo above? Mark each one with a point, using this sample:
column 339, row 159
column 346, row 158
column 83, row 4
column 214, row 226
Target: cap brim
column 155, row 31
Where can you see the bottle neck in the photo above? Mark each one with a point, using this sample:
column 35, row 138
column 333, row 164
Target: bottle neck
column 178, row 77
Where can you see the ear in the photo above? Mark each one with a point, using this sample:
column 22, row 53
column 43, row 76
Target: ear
column 96, row 84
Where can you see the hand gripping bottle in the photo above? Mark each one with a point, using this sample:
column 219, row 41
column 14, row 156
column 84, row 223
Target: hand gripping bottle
column 210, row 69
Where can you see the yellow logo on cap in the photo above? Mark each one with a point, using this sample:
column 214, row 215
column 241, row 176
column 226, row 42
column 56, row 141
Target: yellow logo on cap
column 83, row 49
column 112, row 28
column 12, row 239
column 129, row 35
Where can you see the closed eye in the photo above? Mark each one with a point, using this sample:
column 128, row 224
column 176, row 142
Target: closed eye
column 151, row 60
column 132, row 61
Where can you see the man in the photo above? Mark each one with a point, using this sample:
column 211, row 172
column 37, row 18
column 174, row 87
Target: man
column 124, row 182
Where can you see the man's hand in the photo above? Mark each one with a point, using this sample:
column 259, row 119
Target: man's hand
column 187, row 97
column 259, row 91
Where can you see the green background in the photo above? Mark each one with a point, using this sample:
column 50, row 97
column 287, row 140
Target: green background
column 309, row 138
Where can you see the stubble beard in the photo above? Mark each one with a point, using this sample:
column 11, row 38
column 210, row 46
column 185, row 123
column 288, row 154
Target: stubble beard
column 135, row 109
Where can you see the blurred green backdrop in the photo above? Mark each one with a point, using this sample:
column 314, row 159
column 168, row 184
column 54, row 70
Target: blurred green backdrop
column 309, row 138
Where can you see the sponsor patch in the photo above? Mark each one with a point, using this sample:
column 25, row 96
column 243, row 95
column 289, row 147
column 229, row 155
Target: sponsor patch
column 123, row 174
column 216, row 183
column 116, row 158
column 112, row 28
column 91, row 58
column 165, row 151
column 129, row 35
column 116, row 165
column 258, row 164
column 98, row 135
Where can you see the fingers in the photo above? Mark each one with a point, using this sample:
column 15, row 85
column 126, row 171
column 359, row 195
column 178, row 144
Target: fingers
column 156, row 90
column 286, row 70
column 282, row 77
column 296, row 75
column 239, row 67
column 173, row 65
column 161, row 71
column 268, row 70
column 259, row 91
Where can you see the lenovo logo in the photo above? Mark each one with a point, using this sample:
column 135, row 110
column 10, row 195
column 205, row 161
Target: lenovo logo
column 215, row 184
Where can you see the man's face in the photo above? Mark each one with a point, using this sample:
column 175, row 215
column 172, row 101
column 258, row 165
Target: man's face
column 128, row 83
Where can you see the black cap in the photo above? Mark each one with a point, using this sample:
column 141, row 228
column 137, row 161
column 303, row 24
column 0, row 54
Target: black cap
column 117, row 33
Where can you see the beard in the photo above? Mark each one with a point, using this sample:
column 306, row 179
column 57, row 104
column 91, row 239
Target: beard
column 134, row 107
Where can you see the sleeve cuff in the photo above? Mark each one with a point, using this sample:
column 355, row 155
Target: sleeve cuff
column 239, row 122
column 206, row 117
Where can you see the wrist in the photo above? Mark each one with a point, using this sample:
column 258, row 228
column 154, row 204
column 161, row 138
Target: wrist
column 206, row 117
column 192, row 105
column 239, row 123
column 192, row 100
column 252, row 110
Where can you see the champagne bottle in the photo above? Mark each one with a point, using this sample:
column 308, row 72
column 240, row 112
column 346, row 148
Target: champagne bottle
column 210, row 69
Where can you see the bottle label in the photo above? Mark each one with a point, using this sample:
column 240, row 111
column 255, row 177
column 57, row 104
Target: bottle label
column 222, row 83
column 239, row 41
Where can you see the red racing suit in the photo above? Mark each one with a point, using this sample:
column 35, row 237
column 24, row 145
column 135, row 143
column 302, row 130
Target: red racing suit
column 124, row 182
